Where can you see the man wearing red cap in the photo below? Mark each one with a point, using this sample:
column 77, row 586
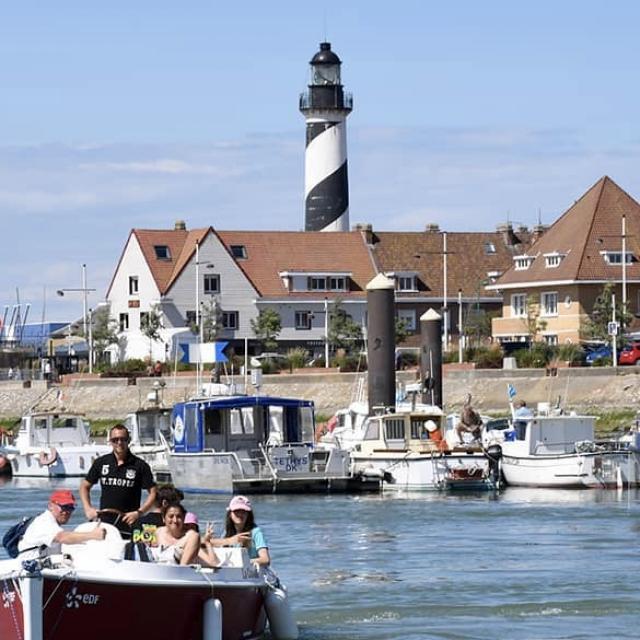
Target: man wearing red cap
column 46, row 530
column 122, row 477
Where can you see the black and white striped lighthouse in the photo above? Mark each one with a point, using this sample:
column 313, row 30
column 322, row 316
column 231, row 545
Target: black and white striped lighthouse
column 325, row 107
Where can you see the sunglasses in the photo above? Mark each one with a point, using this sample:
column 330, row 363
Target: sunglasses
column 66, row 508
column 240, row 512
column 117, row 440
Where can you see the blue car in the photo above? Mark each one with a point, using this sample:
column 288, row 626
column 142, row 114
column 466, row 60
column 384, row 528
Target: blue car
column 597, row 353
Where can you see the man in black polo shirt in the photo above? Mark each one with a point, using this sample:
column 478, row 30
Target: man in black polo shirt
column 122, row 478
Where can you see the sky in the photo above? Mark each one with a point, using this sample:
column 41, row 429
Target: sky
column 126, row 115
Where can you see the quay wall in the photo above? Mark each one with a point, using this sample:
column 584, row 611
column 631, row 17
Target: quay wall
column 582, row 389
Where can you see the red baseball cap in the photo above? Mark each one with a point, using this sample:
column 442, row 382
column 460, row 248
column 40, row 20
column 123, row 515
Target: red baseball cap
column 62, row 496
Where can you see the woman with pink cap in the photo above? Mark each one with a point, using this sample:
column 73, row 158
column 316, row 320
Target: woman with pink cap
column 241, row 530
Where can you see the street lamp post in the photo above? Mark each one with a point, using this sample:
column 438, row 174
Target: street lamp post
column 85, row 292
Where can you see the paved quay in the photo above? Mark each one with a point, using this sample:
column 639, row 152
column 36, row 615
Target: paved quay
column 112, row 398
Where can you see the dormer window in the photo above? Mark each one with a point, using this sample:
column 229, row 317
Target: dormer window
column 523, row 262
column 316, row 281
column 489, row 248
column 239, row 251
column 493, row 275
column 162, row 252
column 406, row 281
column 552, row 260
column 615, row 257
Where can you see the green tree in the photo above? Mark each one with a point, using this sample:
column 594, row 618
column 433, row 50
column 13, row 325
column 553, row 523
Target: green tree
column 267, row 327
column 150, row 325
column 105, row 331
column 343, row 332
column 401, row 330
column 596, row 325
column 533, row 323
column 211, row 319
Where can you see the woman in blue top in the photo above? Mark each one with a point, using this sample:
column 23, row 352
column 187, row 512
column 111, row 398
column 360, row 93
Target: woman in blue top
column 241, row 530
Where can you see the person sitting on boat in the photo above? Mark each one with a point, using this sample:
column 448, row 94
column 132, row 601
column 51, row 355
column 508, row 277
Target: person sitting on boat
column 145, row 528
column 470, row 422
column 520, row 418
column 179, row 545
column 241, row 531
column 46, row 529
column 122, row 477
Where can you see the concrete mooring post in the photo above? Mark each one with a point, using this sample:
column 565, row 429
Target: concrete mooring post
column 381, row 338
column 431, row 357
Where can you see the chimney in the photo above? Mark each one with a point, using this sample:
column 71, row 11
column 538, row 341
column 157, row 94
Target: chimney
column 508, row 236
column 180, row 225
column 432, row 227
column 366, row 229
column 538, row 230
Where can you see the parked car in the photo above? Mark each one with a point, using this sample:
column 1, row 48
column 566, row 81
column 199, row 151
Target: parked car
column 598, row 352
column 630, row 353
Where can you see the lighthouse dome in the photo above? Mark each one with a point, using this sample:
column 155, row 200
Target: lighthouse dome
column 325, row 55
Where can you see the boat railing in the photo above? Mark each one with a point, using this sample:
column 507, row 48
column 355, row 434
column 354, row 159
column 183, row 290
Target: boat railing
column 272, row 469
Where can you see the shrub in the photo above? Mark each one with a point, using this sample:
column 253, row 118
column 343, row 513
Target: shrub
column 349, row 363
column 488, row 358
column 537, row 356
column 571, row 353
column 296, row 357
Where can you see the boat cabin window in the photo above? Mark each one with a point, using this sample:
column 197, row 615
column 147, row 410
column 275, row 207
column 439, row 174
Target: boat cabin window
column 213, row 422
column 373, row 430
column 235, row 421
column 418, row 427
column 394, row 428
column 306, row 421
column 190, row 428
column 62, row 423
column 150, row 425
column 248, row 421
column 276, row 415
column 40, row 423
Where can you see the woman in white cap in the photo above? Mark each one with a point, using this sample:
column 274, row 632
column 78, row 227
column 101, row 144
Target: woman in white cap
column 241, row 530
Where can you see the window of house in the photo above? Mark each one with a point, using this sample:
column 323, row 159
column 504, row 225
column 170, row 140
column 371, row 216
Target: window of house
column 522, row 262
column 303, row 320
column 550, row 304
column 133, row 285
column 316, row 283
column 489, row 248
column 211, row 283
column 123, row 321
column 406, row 283
column 551, row 339
column 408, row 316
column 615, row 257
column 239, row 251
column 552, row 260
column 337, row 283
column 190, row 318
column 162, row 252
column 519, row 305
column 230, row 319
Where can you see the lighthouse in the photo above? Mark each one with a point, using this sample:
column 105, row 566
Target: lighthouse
column 325, row 107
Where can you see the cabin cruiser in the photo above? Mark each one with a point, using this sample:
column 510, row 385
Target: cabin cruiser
column 91, row 590
column 561, row 451
column 224, row 442
column 414, row 452
column 52, row 444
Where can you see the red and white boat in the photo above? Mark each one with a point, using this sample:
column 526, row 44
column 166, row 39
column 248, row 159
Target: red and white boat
column 89, row 590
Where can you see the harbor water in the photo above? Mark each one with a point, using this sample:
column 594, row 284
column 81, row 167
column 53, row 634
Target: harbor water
column 524, row 564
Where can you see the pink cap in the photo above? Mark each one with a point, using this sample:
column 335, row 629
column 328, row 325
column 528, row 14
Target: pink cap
column 190, row 518
column 239, row 503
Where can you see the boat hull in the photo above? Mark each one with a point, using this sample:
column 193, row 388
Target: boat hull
column 107, row 609
column 578, row 470
column 69, row 462
column 414, row 471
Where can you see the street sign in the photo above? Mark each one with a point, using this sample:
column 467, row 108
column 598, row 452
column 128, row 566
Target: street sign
column 612, row 328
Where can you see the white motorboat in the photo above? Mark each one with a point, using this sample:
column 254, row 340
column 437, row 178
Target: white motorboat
column 224, row 443
column 414, row 452
column 561, row 451
column 52, row 444
column 150, row 430
column 91, row 590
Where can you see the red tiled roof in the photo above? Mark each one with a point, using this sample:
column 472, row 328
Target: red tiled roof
column 272, row 252
column 181, row 245
column 469, row 258
column 592, row 225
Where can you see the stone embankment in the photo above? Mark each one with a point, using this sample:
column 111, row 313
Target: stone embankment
column 604, row 389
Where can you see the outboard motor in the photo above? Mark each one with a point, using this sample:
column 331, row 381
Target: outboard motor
column 494, row 455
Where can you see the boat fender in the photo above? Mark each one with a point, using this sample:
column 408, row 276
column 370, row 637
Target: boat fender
column 47, row 459
column 212, row 619
column 281, row 621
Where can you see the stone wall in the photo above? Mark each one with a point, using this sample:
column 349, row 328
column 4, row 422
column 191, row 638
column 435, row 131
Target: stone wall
column 113, row 398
